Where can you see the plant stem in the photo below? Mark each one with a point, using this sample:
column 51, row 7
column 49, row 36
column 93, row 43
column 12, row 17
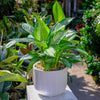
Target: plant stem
column 17, row 4
column 59, row 64
column 56, row 61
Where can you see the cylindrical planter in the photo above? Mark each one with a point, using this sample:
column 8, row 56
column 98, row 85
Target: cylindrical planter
column 50, row 83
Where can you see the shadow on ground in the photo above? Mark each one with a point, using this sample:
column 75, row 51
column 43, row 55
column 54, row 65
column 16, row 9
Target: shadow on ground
column 82, row 85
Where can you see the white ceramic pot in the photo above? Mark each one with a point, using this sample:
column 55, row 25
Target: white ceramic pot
column 50, row 83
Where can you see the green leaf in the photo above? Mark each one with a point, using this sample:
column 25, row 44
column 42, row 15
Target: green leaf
column 9, row 59
column 35, row 58
column 11, row 43
column 21, row 45
column 43, row 14
column 72, row 37
column 37, row 32
column 28, row 28
column 70, row 33
column 14, row 41
column 48, row 20
column 33, row 61
column 41, row 44
column 43, row 28
column 25, row 57
column 19, row 63
column 60, row 35
column 98, row 28
column 50, row 51
column 3, row 54
column 66, row 62
column 4, row 86
column 24, row 40
column 63, row 48
column 58, row 12
column 60, row 25
column 30, row 66
column 68, row 54
column 48, row 63
column 8, row 76
column 64, row 42
column 1, row 87
column 90, row 59
column 81, row 51
column 4, row 96
column 74, row 59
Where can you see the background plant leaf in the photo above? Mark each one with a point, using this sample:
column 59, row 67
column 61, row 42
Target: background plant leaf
column 28, row 28
column 9, row 59
column 7, row 76
column 58, row 12
column 4, row 86
column 4, row 96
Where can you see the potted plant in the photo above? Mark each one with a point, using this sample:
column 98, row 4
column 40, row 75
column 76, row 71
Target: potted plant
column 55, row 52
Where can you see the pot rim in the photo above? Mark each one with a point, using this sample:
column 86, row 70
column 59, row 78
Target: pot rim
column 47, row 71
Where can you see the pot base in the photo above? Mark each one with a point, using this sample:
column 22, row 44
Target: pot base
column 33, row 95
column 52, row 96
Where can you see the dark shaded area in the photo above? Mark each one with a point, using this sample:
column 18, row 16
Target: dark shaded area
column 6, row 8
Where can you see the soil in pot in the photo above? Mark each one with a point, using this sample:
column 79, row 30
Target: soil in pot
column 40, row 67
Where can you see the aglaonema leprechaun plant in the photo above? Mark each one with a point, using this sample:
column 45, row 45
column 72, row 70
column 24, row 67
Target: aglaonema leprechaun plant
column 55, row 43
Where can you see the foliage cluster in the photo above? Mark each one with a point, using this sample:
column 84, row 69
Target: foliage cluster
column 52, row 42
column 6, row 7
column 91, row 34
column 89, row 5
column 93, row 66
column 90, row 37
column 10, row 70
column 28, row 4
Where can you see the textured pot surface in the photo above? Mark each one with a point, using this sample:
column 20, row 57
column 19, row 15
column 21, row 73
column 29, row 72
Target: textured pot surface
column 50, row 83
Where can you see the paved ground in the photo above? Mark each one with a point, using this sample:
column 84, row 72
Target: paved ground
column 82, row 85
